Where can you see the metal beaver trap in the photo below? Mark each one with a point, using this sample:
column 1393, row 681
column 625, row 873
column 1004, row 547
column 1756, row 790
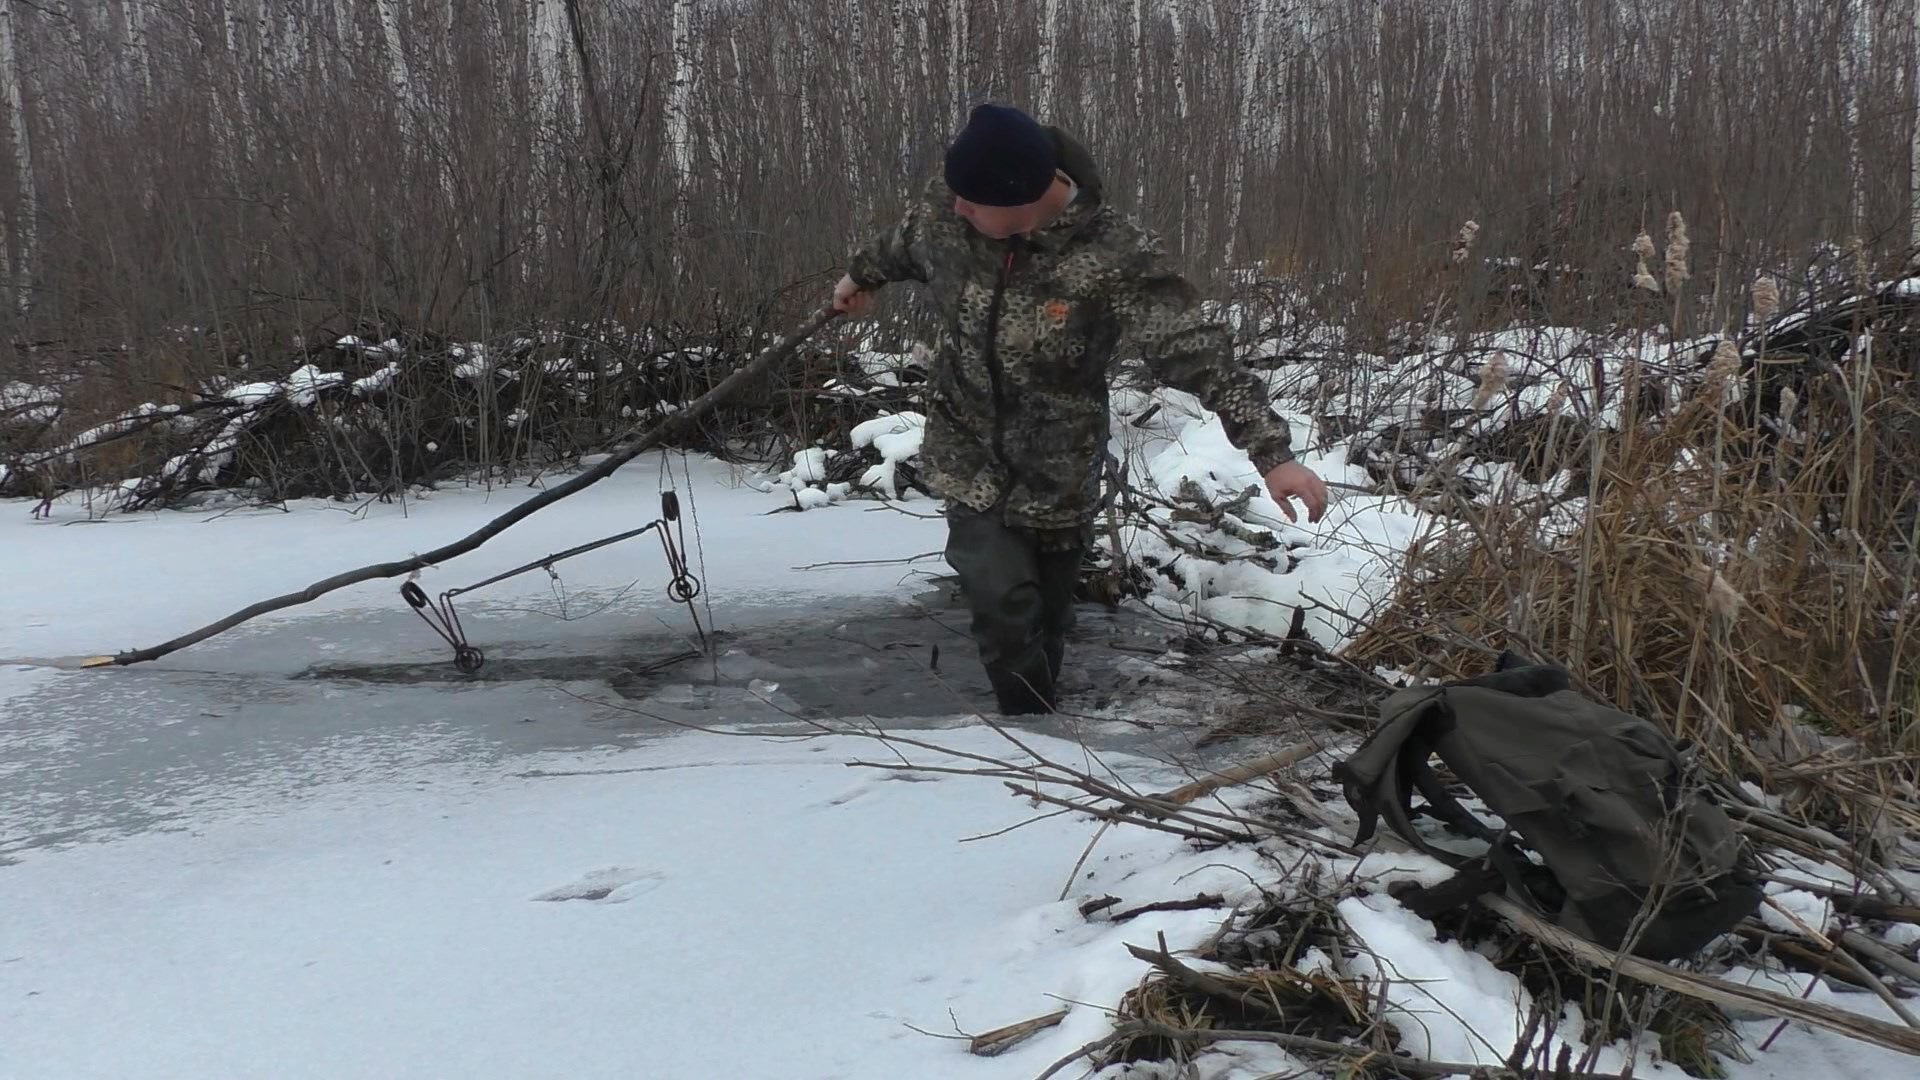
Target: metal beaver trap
column 682, row 587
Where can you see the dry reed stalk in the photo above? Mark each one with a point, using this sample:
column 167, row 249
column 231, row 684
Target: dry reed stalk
column 1705, row 587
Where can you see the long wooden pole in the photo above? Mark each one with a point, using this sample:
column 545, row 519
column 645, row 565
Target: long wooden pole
column 672, row 427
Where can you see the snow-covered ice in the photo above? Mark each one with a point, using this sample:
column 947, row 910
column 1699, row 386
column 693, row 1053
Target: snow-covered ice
column 705, row 906
column 407, row 892
column 301, row 849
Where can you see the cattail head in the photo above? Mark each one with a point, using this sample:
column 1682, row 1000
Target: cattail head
column 1493, row 379
column 1722, row 378
column 1463, row 243
column 1789, row 401
column 1642, row 279
column 1723, row 599
column 1643, row 246
column 1677, row 249
column 1557, row 400
column 1726, row 360
column 1766, row 298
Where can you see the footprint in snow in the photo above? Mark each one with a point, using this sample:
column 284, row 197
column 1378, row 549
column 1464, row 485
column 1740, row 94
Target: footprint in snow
column 868, row 787
column 847, row 796
column 613, row 885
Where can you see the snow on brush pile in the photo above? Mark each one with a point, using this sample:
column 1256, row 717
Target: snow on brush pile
column 1465, row 415
column 358, row 414
column 1251, row 568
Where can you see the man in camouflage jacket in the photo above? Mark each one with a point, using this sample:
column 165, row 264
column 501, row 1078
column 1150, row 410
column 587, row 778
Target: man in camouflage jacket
column 1038, row 280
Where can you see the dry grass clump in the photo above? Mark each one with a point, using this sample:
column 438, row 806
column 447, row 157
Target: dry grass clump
column 1741, row 563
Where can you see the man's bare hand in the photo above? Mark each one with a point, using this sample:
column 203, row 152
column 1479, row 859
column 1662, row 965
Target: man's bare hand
column 850, row 299
column 1294, row 480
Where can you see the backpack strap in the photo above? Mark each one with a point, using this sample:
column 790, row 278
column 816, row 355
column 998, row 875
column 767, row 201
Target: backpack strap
column 1440, row 801
column 1414, row 773
column 1474, row 876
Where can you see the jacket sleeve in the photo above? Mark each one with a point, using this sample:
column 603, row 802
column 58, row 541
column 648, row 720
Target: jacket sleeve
column 1185, row 350
column 895, row 255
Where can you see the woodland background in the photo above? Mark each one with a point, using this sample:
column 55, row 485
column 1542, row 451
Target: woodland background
column 258, row 168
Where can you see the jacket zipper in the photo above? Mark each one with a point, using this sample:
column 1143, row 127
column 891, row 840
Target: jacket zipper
column 995, row 376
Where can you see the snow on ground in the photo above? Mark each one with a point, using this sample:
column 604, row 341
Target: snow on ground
column 710, row 906
column 1348, row 561
column 727, row 903
column 688, row 905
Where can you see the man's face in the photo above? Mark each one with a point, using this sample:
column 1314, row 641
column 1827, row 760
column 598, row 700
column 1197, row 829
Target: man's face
column 998, row 222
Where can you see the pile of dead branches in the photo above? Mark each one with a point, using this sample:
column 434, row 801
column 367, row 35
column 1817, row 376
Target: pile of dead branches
column 1491, row 415
column 382, row 410
column 1288, row 970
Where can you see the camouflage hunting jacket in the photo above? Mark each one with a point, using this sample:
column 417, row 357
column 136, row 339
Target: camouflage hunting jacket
column 1017, row 405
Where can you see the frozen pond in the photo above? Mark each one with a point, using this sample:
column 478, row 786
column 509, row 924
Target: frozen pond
column 372, row 695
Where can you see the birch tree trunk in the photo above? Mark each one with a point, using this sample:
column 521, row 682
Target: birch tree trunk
column 279, row 44
column 680, row 118
column 1853, row 51
column 23, row 233
column 1913, row 117
column 551, row 62
column 399, row 78
column 809, row 136
column 922, row 26
column 1237, row 156
column 1140, row 95
column 346, row 37
column 903, row 87
column 133, row 13
column 1049, row 17
column 734, row 149
column 959, row 15
column 853, row 87
column 1194, row 222
column 230, row 99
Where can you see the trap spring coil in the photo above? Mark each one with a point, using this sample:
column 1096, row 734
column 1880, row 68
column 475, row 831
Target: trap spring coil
column 467, row 657
column 683, row 587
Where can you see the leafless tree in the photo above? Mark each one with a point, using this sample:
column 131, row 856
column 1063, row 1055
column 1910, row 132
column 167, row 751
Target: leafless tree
column 265, row 168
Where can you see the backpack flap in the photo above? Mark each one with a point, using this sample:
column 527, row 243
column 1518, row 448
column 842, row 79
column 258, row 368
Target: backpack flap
column 1378, row 778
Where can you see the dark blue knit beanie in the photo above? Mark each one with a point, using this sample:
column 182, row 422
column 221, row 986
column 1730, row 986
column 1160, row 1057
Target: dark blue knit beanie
column 1003, row 157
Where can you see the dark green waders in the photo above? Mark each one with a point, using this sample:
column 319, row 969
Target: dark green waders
column 1021, row 595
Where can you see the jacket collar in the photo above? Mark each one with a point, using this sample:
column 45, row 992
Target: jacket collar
column 1089, row 197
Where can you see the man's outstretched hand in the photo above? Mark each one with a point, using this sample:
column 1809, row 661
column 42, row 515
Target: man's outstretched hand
column 1294, row 480
column 850, row 299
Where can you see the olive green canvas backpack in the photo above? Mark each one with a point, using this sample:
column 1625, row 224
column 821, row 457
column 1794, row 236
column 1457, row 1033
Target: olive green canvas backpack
column 1612, row 813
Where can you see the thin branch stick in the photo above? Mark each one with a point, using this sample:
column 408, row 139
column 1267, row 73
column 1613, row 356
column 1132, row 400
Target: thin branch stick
column 1201, row 902
column 1867, row 948
column 1221, row 836
column 1851, row 963
column 1705, row 988
column 1202, row 982
column 675, row 426
column 1000, row 1040
column 1240, row 774
column 1086, row 1051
